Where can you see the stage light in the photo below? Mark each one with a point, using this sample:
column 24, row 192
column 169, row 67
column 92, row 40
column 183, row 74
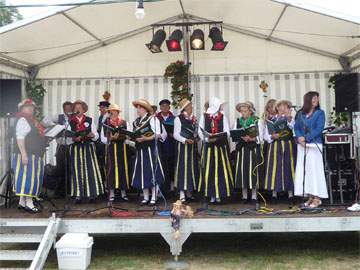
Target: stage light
column 197, row 40
column 173, row 43
column 140, row 11
column 217, row 39
column 158, row 38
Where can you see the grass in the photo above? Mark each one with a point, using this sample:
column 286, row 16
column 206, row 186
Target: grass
column 307, row 251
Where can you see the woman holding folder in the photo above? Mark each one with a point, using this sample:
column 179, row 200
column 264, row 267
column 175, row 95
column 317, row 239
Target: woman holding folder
column 216, row 180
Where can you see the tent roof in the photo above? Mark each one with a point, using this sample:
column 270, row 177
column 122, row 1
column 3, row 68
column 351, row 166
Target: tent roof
column 76, row 30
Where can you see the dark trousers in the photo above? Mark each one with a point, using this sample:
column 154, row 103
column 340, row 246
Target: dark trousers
column 62, row 171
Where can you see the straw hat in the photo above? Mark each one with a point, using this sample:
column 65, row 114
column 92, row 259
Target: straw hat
column 214, row 105
column 247, row 104
column 143, row 103
column 82, row 103
column 114, row 107
column 177, row 203
column 183, row 103
column 26, row 102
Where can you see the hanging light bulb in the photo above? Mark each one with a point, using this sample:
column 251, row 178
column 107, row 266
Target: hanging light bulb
column 139, row 11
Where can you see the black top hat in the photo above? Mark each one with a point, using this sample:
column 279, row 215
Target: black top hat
column 165, row 101
column 104, row 104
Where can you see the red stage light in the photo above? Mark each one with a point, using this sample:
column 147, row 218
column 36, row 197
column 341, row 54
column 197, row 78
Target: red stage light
column 219, row 46
column 173, row 43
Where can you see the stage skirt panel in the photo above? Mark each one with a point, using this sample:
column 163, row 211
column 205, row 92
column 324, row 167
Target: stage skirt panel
column 187, row 167
column 216, row 179
column 249, row 170
column 280, row 166
column 315, row 182
column 86, row 180
column 28, row 179
column 117, row 166
column 148, row 169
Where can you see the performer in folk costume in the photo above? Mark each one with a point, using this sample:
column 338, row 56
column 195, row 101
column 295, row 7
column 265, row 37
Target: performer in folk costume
column 216, row 179
column 268, row 115
column 100, row 147
column 167, row 147
column 309, row 126
column 186, row 162
column 281, row 152
column 249, row 157
column 148, row 170
column 28, row 158
column 86, row 180
column 117, row 163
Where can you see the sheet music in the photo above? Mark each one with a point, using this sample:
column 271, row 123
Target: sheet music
column 54, row 131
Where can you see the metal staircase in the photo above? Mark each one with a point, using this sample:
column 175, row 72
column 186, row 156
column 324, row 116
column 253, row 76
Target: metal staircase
column 21, row 231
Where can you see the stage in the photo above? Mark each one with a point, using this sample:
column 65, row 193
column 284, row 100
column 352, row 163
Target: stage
column 230, row 217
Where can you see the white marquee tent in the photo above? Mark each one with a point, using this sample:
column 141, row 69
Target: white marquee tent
column 81, row 51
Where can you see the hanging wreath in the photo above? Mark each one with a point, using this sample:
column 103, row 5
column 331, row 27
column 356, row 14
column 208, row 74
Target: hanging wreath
column 179, row 74
column 36, row 91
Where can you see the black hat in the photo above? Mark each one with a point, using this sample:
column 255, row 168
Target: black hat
column 104, row 104
column 165, row 101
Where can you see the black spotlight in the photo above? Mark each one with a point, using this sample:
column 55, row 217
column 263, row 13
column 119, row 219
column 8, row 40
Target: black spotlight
column 173, row 43
column 217, row 39
column 197, row 40
column 158, row 38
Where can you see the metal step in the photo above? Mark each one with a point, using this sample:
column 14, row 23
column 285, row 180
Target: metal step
column 23, row 222
column 17, row 255
column 20, row 238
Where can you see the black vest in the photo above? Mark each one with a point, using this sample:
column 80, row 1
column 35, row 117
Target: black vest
column 136, row 124
column 61, row 119
column 187, row 127
column 208, row 121
column 35, row 144
column 88, row 123
column 123, row 125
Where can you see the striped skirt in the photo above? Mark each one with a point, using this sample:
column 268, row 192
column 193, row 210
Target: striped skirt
column 249, row 170
column 187, row 167
column 117, row 166
column 216, row 179
column 148, row 169
column 29, row 178
column 85, row 180
column 280, row 166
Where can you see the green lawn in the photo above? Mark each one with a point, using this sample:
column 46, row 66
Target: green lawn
column 228, row 251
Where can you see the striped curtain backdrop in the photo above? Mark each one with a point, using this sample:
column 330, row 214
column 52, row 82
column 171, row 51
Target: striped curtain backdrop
column 229, row 88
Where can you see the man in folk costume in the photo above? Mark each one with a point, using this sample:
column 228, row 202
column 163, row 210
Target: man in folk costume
column 249, row 157
column 216, row 178
column 281, row 152
column 117, row 163
column 100, row 147
column 86, row 180
column 167, row 147
column 186, row 161
column 148, row 171
column 28, row 158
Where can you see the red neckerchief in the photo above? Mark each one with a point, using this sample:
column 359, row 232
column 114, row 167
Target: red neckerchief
column 79, row 123
column 161, row 117
column 115, row 122
column 34, row 121
column 191, row 117
column 215, row 120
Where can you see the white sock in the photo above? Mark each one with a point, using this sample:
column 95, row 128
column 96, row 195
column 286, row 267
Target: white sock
column 244, row 193
column 29, row 202
column 153, row 193
column 274, row 194
column 123, row 193
column 22, row 201
column 146, row 194
column 253, row 194
column 112, row 193
column 290, row 193
column 212, row 199
column 218, row 200
column 182, row 194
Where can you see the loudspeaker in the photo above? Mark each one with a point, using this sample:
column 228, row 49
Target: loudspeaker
column 347, row 92
column 10, row 96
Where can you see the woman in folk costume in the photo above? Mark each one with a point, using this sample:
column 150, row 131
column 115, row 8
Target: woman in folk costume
column 186, row 161
column 28, row 158
column 86, row 181
column 117, row 163
column 148, row 171
column 309, row 126
column 216, row 179
column 281, row 152
column 249, row 157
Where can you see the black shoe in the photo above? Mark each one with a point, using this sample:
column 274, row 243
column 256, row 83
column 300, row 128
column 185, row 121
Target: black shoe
column 125, row 199
column 152, row 203
column 21, row 207
column 77, row 200
column 33, row 210
column 92, row 200
column 144, row 202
